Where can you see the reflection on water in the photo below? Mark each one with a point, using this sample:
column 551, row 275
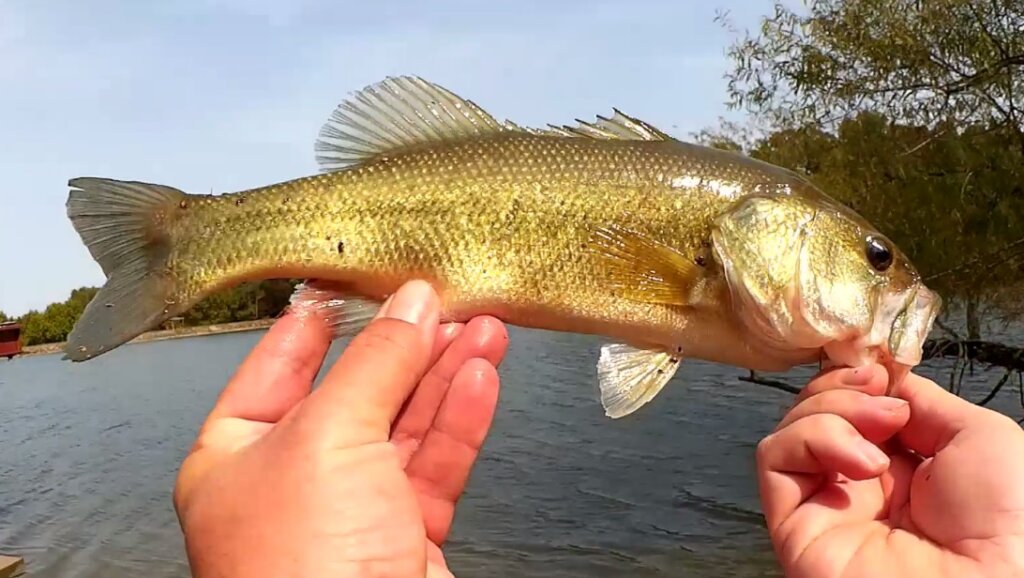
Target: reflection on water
column 91, row 451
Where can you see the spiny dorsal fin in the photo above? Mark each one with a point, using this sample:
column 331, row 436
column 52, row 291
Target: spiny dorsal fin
column 405, row 111
column 394, row 114
column 620, row 126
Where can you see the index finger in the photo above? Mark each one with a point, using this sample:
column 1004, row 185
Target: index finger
column 278, row 373
column 870, row 379
column 366, row 388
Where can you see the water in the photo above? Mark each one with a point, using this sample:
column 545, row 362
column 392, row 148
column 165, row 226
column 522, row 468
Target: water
column 90, row 452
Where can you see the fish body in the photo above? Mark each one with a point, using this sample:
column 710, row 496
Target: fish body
column 500, row 226
column 612, row 228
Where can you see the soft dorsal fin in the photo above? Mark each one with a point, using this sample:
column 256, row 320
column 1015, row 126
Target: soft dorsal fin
column 620, row 126
column 405, row 111
column 397, row 113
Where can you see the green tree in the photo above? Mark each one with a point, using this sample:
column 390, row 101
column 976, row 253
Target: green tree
column 947, row 205
column 921, row 63
column 55, row 322
column 246, row 302
column 4, row 318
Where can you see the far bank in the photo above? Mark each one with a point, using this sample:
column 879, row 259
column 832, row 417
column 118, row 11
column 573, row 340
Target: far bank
column 163, row 334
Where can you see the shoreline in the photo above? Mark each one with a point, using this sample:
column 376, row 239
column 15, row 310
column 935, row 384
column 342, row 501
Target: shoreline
column 162, row 335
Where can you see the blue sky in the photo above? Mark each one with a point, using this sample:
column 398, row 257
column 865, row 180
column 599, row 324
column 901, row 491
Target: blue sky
column 220, row 95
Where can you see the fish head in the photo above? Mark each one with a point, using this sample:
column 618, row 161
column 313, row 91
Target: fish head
column 806, row 272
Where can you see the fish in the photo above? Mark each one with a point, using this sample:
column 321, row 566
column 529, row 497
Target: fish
column 668, row 250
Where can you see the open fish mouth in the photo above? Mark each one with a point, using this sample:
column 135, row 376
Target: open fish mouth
column 897, row 336
column 908, row 333
column 911, row 326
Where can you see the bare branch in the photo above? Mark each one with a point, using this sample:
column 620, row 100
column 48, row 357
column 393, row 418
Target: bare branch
column 992, row 394
column 773, row 383
column 976, row 260
column 988, row 33
column 947, row 329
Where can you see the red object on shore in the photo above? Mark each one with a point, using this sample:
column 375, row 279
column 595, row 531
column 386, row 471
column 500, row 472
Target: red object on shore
column 10, row 340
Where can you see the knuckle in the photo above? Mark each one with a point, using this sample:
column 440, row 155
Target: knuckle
column 764, row 447
column 832, row 426
column 835, row 401
column 839, row 399
column 396, row 338
column 822, row 426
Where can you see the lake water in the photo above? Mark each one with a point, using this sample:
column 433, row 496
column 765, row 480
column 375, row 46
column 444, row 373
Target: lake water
column 90, row 453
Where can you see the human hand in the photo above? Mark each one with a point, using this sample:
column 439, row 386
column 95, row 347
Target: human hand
column 843, row 497
column 359, row 477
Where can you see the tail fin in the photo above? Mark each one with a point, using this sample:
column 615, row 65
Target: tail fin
column 124, row 226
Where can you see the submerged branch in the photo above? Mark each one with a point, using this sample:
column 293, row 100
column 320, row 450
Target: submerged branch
column 996, row 354
column 773, row 383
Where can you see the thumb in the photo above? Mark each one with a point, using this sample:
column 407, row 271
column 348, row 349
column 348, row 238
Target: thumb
column 937, row 415
column 363, row 392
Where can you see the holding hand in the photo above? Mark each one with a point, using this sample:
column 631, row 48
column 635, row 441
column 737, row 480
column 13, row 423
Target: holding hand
column 361, row 476
column 843, row 498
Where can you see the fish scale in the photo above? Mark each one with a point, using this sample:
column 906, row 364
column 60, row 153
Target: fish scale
column 668, row 249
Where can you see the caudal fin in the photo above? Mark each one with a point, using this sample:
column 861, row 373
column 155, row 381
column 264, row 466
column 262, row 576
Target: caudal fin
column 124, row 226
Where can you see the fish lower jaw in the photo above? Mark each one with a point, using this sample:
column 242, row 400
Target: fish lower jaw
column 851, row 353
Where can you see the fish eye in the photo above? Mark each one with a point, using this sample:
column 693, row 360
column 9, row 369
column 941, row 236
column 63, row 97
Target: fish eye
column 879, row 254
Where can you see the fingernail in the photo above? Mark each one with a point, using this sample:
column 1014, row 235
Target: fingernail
column 890, row 404
column 411, row 303
column 871, row 453
column 857, row 376
column 384, row 307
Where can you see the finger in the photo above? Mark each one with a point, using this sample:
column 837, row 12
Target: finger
column 440, row 469
column 446, row 335
column 904, row 465
column 841, row 505
column 871, row 379
column 365, row 389
column 793, row 462
column 937, row 416
column 485, row 338
column 278, row 373
column 876, row 414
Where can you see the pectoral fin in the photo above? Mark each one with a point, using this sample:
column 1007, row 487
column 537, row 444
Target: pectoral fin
column 630, row 377
column 344, row 312
column 644, row 269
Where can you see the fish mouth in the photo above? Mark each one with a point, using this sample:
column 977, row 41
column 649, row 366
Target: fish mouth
column 908, row 331
column 896, row 339
column 911, row 326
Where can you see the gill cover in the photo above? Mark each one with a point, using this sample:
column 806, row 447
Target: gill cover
column 790, row 273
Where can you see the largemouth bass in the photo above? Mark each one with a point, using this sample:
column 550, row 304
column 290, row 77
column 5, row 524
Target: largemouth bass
column 668, row 249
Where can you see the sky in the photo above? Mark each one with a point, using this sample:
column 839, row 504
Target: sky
column 222, row 95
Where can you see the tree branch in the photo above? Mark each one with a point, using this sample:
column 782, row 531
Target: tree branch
column 976, row 260
column 993, row 354
column 773, row 383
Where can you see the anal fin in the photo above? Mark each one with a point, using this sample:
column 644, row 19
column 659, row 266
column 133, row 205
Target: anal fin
column 344, row 312
column 630, row 376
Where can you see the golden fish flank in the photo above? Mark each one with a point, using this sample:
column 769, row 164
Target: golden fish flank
column 668, row 249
